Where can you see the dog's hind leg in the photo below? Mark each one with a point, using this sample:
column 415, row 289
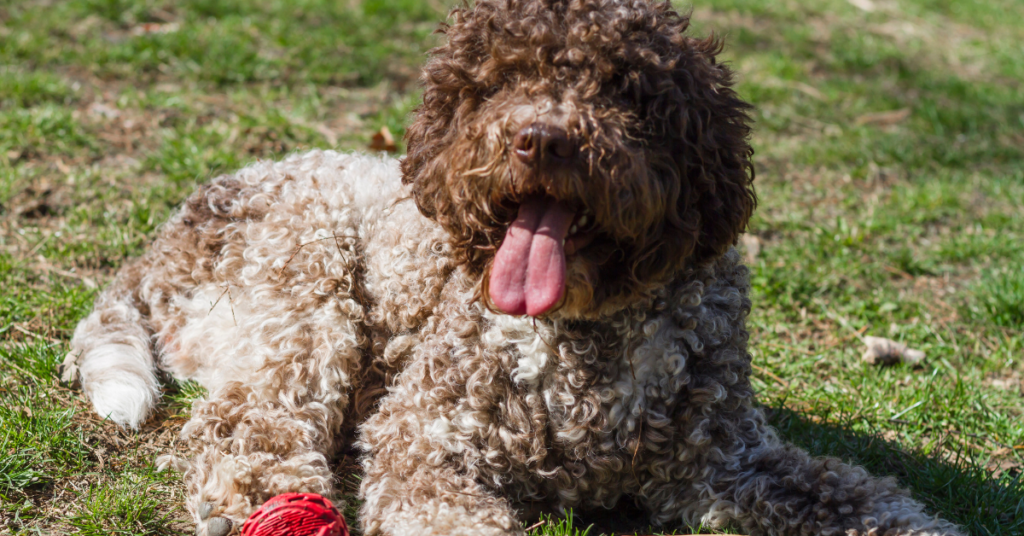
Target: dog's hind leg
column 750, row 477
column 113, row 348
column 112, row 352
column 780, row 489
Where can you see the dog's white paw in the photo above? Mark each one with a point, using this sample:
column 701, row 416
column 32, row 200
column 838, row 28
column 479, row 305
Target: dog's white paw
column 120, row 382
column 125, row 401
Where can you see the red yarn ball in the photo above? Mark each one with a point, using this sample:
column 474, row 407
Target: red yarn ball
column 296, row 514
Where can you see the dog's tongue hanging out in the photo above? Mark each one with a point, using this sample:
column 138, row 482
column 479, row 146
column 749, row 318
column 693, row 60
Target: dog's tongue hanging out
column 529, row 270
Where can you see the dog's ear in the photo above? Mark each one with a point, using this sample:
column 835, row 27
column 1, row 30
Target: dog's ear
column 428, row 187
column 447, row 89
column 424, row 139
column 449, row 95
column 711, row 150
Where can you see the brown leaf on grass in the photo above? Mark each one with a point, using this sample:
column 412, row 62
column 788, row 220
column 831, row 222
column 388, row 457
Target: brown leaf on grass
column 884, row 119
column 383, row 141
column 751, row 247
column 104, row 111
column 68, row 370
column 882, row 351
column 1007, row 384
column 809, row 90
column 99, row 457
column 326, row 132
column 150, row 28
column 1002, row 460
column 863, row 5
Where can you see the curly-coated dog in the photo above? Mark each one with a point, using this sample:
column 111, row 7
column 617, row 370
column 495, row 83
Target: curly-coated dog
column 539, row 303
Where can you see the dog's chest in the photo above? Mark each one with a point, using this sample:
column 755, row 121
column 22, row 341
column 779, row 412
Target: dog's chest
column 595, row 386
column 631, row 366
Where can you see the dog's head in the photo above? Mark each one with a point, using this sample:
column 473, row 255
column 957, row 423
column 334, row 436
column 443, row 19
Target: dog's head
column 579, row 152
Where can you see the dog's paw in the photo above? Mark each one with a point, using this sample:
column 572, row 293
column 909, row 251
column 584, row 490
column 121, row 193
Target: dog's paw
column 215, row 526
column 119, row 381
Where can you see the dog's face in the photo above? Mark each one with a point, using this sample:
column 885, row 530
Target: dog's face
column 579, row 152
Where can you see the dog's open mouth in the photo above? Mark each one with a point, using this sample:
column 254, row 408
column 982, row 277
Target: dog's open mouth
column 528, row 276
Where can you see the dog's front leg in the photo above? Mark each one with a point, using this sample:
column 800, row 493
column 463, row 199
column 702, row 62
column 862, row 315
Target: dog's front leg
column 247, row 449
column 432, row 501
column 419, row 483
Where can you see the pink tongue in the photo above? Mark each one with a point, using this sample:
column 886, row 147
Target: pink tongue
column 529, row 269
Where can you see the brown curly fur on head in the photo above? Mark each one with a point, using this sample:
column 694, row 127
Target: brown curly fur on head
column 663, row 162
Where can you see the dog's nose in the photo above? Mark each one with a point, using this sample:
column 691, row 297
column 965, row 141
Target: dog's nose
column 541, row 143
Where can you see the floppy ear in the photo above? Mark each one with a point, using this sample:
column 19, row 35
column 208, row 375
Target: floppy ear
column 429, row 130
column 713, row 152
column 451, row 92
column 448, row 92
column 428, row 188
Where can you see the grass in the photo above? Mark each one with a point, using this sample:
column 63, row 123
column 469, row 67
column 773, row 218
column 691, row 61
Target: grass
column 119, row 508
column 555, row 526
column 890, row 171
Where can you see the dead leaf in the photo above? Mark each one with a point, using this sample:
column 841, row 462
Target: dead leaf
column 104, row 110
column 62, row 167
column 330, row 135
column 99, row 456
column 863, row 5
column 751, row 247
column 86, row 280
column 383, row 141
column 150, row 28
column 884, row 119
column 68, row 370
column 1008, row 384
column 808, row 90
column 882, row 351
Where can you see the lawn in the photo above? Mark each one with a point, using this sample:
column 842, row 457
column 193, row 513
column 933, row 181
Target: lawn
column 890, row 170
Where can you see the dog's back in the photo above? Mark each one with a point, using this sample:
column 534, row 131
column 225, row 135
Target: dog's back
column 299, row 227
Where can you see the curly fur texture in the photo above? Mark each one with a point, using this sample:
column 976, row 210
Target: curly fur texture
column 333, row 298
column 663, row 161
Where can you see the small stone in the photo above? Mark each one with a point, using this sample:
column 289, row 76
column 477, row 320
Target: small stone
column 204, row 510
column 882, row 351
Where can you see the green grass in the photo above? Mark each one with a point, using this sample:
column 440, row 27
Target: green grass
column 120, row 508
column 1001, row 297
column 559, row 526
column 890, row 158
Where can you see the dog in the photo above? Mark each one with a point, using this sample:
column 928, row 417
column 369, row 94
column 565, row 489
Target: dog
column 541, row 302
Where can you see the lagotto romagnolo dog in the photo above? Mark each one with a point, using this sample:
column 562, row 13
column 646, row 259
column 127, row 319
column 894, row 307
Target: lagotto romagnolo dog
column 539, row 303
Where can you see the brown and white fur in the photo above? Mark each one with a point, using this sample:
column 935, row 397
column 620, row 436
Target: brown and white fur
column 336, row 298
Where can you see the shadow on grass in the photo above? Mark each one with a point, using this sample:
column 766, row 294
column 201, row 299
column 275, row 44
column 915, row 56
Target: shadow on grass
column 949, row 484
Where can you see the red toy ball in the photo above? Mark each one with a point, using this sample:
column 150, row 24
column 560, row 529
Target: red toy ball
column 296, row 514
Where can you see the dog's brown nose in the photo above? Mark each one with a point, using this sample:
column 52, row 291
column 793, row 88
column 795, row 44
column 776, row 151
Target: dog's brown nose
column 541, row 143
